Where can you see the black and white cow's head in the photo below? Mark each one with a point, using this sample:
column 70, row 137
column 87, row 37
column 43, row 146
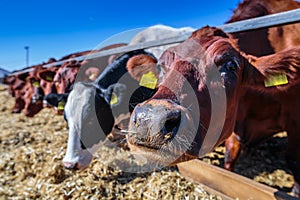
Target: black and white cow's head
column 90, row 119
column 91, row 108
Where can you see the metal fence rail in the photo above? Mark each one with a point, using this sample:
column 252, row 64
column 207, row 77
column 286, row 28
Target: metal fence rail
column 283, row 18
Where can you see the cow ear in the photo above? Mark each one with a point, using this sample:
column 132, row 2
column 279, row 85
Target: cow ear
column 23, row 76
column 92, row 73
column 279, row 69
column 57, row 100
column 114, row 94
column 142, row 64
column 47, row 75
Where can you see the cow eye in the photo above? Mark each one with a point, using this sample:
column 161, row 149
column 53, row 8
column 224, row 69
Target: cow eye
column 231, row 65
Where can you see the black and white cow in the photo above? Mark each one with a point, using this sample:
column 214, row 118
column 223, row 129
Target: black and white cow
column 91, row 108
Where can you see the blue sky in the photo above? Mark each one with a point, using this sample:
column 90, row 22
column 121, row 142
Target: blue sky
column 56, row 28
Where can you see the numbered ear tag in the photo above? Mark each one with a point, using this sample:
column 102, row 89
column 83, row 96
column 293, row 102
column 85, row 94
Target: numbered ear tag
column 148, row 80
column 49, row 78
column 275, row 80
column 114, row 99
column 61, row 105
column 36, row 84
column 92, row 76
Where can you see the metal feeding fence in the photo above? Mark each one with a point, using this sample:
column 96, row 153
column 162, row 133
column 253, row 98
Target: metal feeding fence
column 283, row 18
column 209, row 175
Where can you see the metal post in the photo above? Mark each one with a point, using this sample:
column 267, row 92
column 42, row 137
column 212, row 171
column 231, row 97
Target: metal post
column 27, row 55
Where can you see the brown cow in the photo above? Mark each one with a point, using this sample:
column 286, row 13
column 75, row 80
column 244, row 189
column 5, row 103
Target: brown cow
column 33, row 93
column 266, row 41
column 66, row 75
column 260, row 107
column 47, row 76
column 59, row 79
column 9, row 80
column 16, row 84
column 71, row 71
column 209, row 67
column 36, row 88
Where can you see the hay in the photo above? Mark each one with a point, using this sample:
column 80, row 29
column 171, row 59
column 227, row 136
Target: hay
column 264, row 163
column 31, row 151
column 30, row 165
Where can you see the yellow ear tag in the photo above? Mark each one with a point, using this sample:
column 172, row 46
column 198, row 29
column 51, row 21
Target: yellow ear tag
column 92, row 76
column 36, row 84
column 114, row 99
column 148, row 80
column 61, row 105
column 275, row 80
column 49, row 78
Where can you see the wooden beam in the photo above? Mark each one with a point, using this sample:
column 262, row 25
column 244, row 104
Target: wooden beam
column 229, row 183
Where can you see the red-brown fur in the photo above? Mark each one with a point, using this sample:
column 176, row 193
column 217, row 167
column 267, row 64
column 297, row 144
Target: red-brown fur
column 9, row 80
column 16, row 84
column 66, row 75
column 47, row 76
column 21, row 86
column 260, row 110
column 92, row 68
column 141, row 64
column 31, row 90
column 267, row 40
column 251, row 74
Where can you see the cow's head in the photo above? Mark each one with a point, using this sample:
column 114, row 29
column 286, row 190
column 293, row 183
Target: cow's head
column 17, row 90
column 46, row 77
column 195, row 106
column 65, row 77
column 90, row 110
column 89, row 119
column 9, row 80
column 33, row 93
column 33, row 96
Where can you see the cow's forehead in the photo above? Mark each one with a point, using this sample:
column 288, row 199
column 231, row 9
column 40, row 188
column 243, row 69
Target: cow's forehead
column 189, row 48
column 81, row 99
column 222, row 45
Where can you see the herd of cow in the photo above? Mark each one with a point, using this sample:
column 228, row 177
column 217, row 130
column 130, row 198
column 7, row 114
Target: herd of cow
column 169, row 92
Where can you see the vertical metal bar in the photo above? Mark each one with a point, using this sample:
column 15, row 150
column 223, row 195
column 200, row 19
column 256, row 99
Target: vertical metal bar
column 27, row 55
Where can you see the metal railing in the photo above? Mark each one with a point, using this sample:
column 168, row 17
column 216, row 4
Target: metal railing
column 283, row 18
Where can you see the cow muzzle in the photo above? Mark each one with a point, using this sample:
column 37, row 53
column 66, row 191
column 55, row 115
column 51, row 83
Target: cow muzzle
column 81, row 160
column 161, row 128
column 153, row 125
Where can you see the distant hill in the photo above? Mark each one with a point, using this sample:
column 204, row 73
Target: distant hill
column 3, row 73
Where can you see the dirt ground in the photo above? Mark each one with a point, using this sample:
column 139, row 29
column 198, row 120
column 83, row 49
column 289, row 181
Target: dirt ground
column 31, row 151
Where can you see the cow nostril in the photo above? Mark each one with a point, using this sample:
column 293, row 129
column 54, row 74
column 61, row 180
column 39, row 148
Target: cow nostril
column 71, row 166
column 172, row 124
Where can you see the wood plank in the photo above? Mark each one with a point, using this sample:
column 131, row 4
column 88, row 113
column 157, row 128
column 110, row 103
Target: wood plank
column 286, row 17
column 229, row 183
column 213, row 191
